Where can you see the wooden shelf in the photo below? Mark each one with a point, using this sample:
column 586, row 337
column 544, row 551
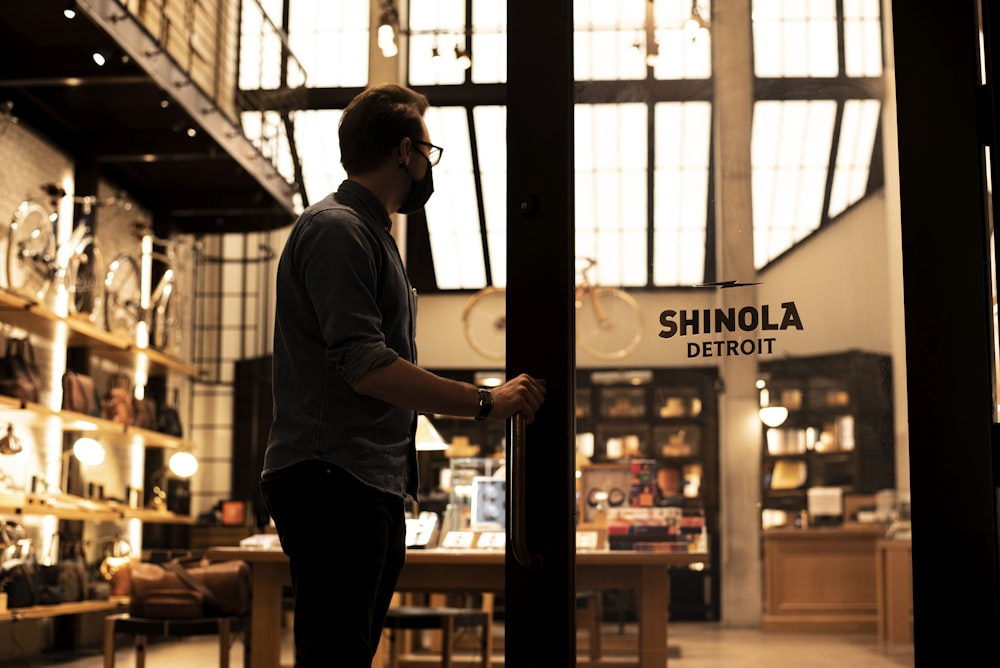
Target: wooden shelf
column 35, row 318
column 76, row 608
column 68, row 507
column 32, row 415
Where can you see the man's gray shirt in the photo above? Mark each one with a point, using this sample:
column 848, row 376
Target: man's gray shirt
column 344, row 306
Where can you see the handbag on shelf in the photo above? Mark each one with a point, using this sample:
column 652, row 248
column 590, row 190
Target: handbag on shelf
column 80, row 394
column 19, row 376
column 144, row 413
column 168, row 421
column 117, row 403
column 182, row 590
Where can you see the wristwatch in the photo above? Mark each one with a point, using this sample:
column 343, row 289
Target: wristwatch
column 485, row 403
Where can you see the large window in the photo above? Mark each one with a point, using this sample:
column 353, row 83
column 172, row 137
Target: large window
column 643, row 131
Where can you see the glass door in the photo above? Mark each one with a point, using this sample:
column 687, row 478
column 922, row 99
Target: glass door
column 739, row 181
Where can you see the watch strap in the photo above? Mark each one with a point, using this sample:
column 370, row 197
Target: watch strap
column 485, row 403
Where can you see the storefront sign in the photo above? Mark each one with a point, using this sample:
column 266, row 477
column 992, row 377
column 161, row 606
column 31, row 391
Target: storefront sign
column 757, row 321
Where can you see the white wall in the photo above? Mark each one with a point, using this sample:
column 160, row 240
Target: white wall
column 838, row 280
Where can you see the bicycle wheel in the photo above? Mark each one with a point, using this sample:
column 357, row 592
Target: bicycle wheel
column 84, row 282
column 484, row 323
column 166, row 325
column 122, row 293
column 31, row 249
column 608, row 323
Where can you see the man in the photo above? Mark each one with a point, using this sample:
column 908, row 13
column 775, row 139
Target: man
column 340, row 461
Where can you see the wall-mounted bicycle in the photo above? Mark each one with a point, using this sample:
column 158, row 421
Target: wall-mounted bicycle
column 608, row 320
column 37, row 265
column 126, row 312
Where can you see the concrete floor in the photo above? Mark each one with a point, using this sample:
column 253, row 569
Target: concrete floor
column 692, row 645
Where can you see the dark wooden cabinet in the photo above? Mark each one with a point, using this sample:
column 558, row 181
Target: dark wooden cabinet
column 839, row 431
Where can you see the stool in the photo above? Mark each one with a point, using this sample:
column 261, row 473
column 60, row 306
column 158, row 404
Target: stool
column 142, row 628
column 447, row 620
column 589, row 616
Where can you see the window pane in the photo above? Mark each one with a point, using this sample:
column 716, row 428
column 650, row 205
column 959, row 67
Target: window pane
column 854, row 153
column 436, row 26
column 795, row 39
column 489, row 41
column 319, row 151
column 452, row 213
column 604, row 37
column 685, row 50
column 611, row 219
column 862, row 38
column 330, row 39
column 491, row 140
column 680, row 199
column 790, row 150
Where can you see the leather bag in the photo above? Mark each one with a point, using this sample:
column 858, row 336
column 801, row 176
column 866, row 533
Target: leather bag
column 144, row 413
column 80, row 394
column 117, row 403
column 168, row 421
column 180, row 590
column 19, row 376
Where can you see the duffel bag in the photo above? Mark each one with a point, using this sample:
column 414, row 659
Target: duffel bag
column 173, row 590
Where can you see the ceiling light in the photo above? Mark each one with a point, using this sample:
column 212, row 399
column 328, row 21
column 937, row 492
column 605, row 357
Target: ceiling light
column 70, row 11
column 462, row 58
column 652, row 53
column 388, row 24
column 696, row 26
column 100, row 58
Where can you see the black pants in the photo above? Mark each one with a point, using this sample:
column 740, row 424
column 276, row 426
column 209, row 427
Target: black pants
column 346, row 544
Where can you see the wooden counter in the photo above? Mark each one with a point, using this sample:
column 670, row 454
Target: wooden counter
column 821, row 579
column 894, row 574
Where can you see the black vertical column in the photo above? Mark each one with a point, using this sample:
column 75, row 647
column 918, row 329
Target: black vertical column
column 540, row 596
column 942, row 126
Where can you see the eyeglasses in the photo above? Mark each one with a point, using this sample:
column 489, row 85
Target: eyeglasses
column 433, row 152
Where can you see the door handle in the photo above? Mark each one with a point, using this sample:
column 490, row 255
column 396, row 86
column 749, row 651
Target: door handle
column 516, row 428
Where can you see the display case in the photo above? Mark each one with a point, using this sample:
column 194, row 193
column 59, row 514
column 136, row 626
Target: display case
column 667, row 418
column 469, row 494
column 838, row 432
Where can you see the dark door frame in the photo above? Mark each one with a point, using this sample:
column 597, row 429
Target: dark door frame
column 540, row 602
column 944, row 119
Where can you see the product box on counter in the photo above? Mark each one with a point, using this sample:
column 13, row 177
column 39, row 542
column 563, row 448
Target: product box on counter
column 669, row 529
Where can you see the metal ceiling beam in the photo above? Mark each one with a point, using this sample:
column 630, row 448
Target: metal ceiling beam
column 133, row 39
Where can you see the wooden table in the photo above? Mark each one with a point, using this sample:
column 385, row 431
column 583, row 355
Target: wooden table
column 476, row 571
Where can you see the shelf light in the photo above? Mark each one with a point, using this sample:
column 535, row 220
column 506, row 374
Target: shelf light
column 183, row 464
column 88, row 451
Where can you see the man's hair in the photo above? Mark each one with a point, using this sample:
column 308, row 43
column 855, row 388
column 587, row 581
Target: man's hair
column 375, row 122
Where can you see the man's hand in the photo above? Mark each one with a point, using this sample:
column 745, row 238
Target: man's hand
column 523, row 394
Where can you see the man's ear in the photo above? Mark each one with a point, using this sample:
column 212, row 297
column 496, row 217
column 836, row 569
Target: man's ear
column 405, row 144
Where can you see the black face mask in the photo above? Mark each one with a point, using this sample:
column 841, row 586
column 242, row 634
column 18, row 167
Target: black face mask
column 420, row 191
